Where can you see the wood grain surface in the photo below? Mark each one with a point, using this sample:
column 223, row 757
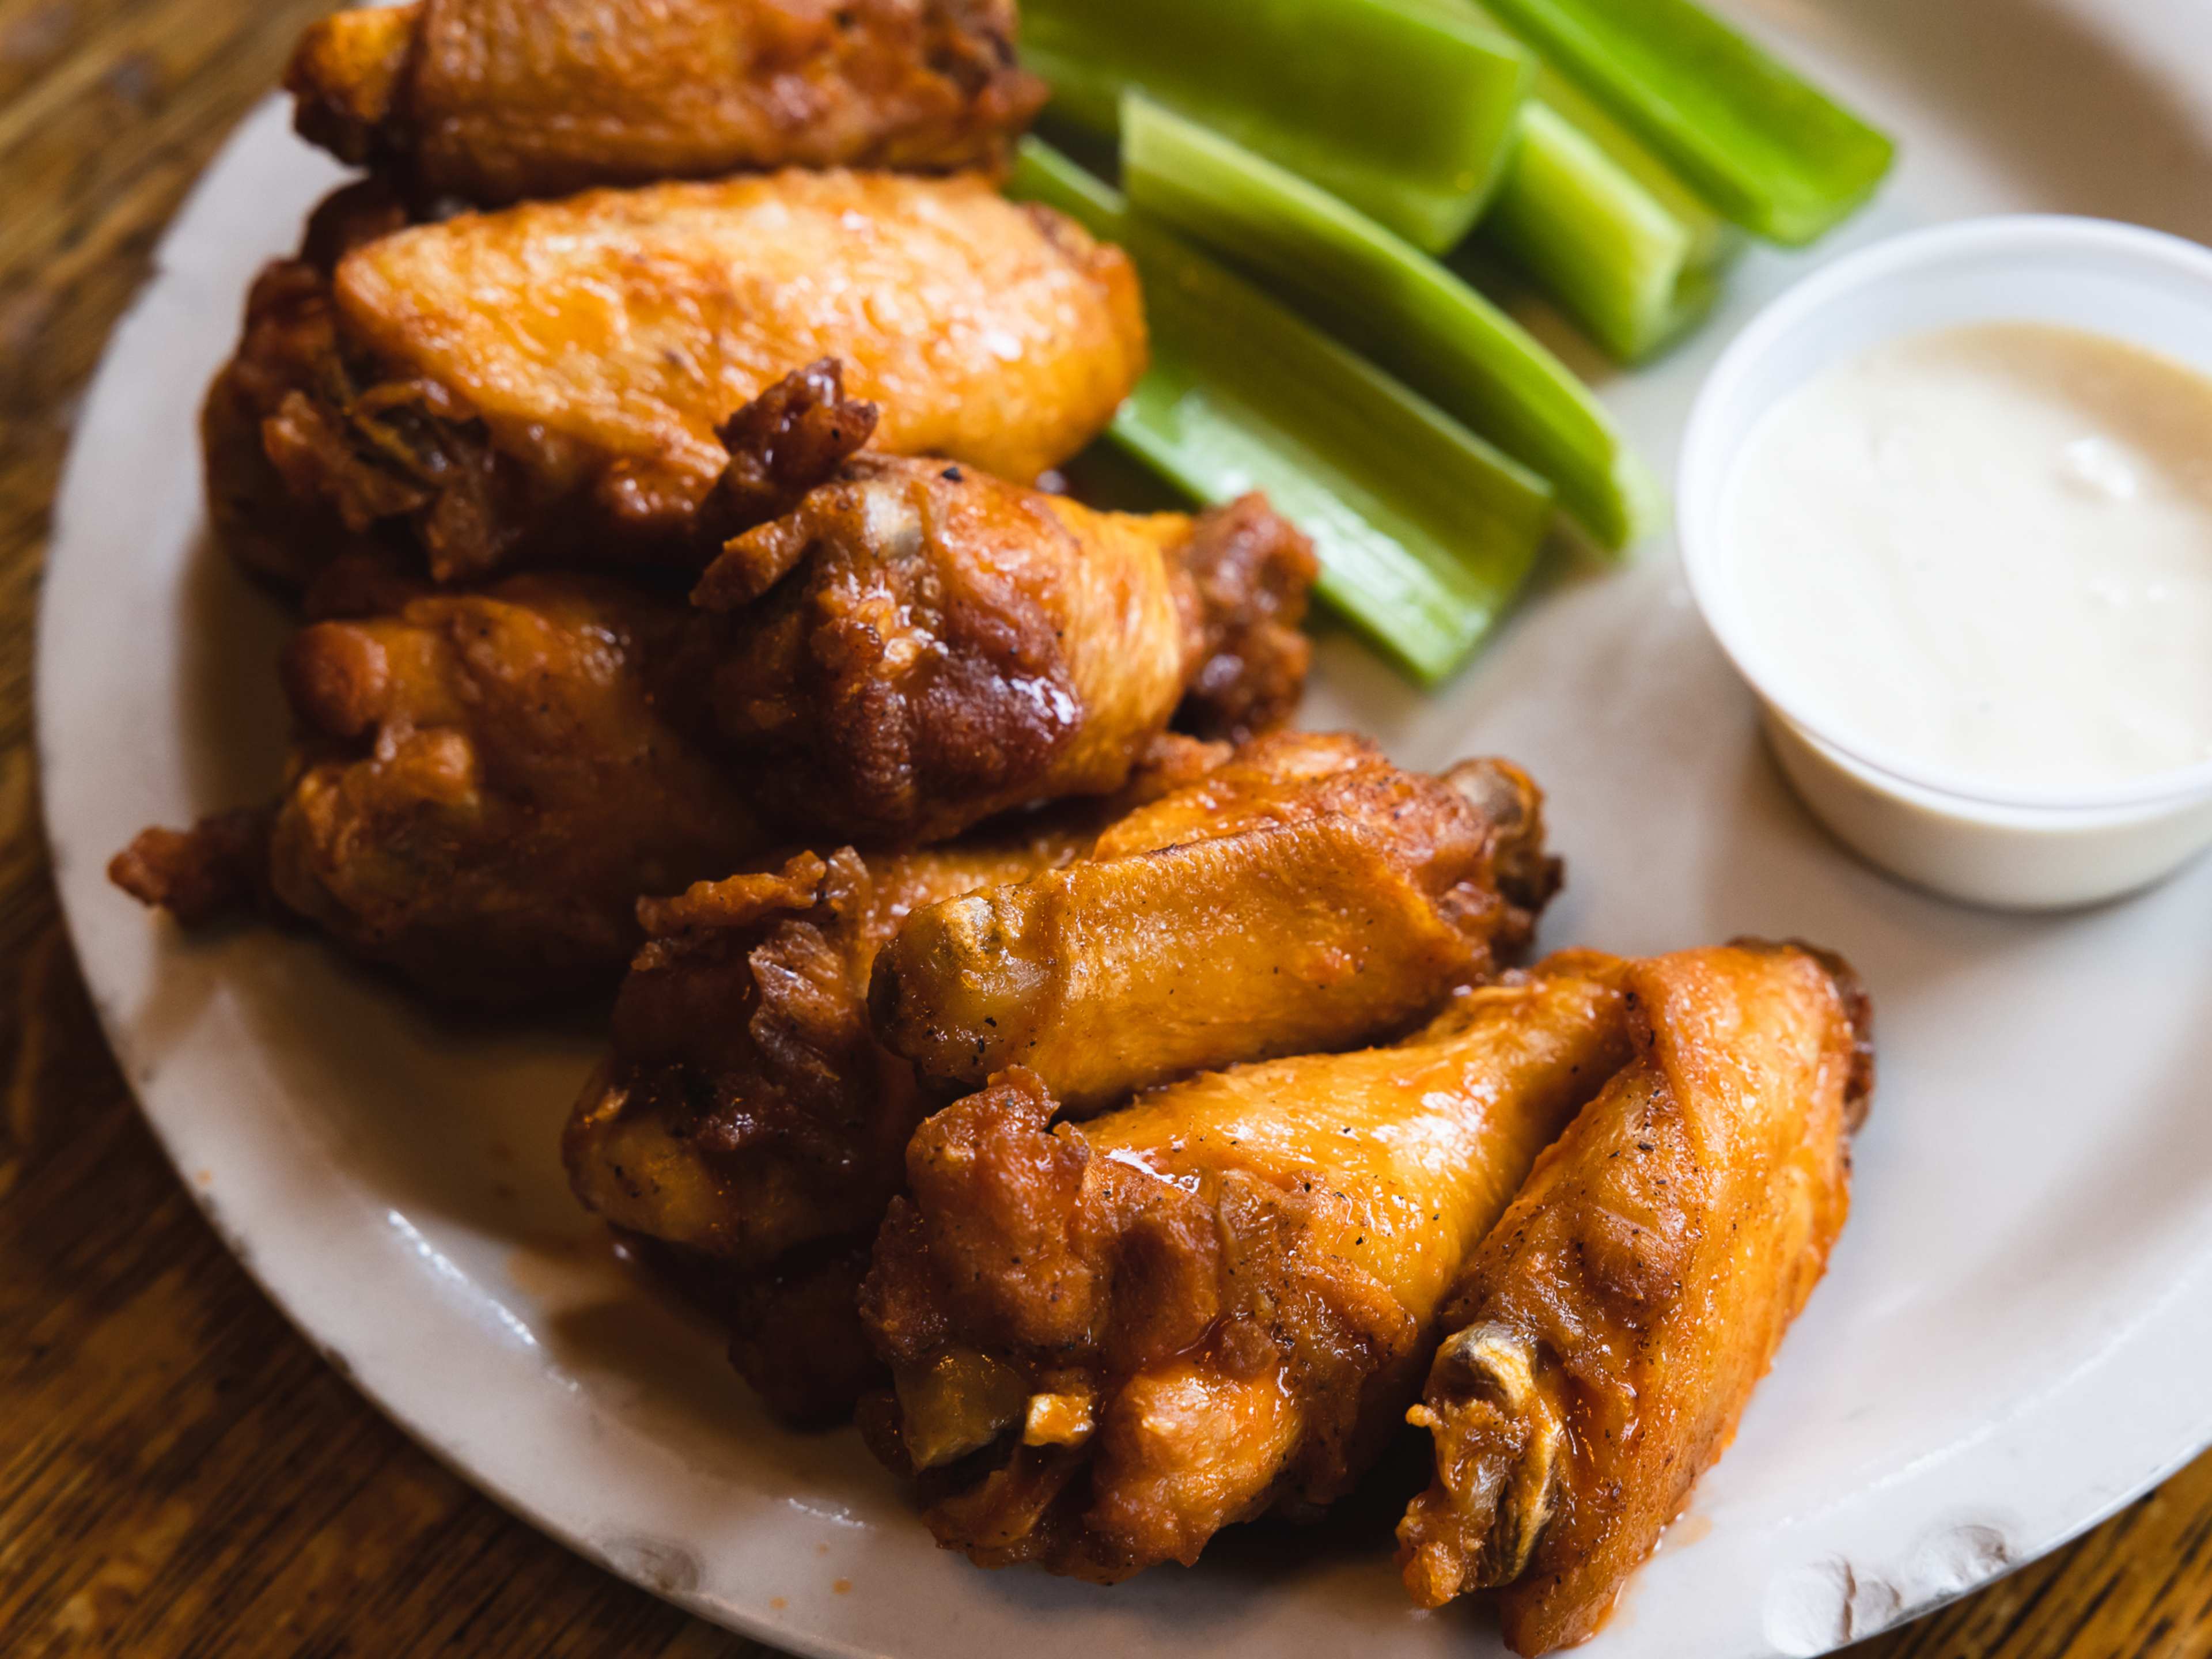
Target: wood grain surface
column 180, row 1474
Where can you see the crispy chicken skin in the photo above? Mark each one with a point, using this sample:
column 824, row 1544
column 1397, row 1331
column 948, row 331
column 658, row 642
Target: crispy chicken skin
column 484, row 785
column 746, row 1106
column 747, row 1120
column 496, row 782
column 1109, row 1340
column 1307, row 896
column 290, row 344
column 747, row 1125
column 918, row 646
column 1608, row 1333
column 493, row 100
column 547, row 384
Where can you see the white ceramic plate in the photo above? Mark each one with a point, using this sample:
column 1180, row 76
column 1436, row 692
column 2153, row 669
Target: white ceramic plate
column 2012, row 1338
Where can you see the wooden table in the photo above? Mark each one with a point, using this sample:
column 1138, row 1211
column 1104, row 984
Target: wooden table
column 178, row 1473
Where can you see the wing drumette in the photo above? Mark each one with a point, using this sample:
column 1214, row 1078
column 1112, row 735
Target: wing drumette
column 748, row 1109
column 492, row 100
column 748, row 1122
column 546, row 383
column 917, row 647
column 1306, row 897
column 1610, row 1333
column 485, row 785
column 1111, row 1340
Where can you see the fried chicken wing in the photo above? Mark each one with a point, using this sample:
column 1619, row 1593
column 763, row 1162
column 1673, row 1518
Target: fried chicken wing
column 1306, row 897
column 485, row 785
column 747, row 1108
column 1608, row 1333
column 546, row 385
column 747, row 1119
column 918, row 646
column 290, row 344
column 1109, row 1340
column 748, row 1124
column 492, row 100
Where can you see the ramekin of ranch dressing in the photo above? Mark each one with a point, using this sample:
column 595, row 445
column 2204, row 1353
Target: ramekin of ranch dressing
column 1948, row 507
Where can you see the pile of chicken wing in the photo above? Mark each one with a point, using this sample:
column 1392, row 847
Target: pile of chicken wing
column 1128, row 1110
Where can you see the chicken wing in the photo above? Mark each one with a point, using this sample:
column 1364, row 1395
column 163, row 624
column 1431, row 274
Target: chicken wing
column 918, row 646
column 747, row 1109
column 1109, row 1340
column 747, row 1120
column 545, row 385
column 486, row 784
column 291, row 344
column 1610, row 1333
column 492, row 100
column 1306, row 897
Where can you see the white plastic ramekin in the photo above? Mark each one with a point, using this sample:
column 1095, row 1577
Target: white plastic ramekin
column 2017, row 849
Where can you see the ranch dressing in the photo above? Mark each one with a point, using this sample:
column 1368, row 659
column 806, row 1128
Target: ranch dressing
column 1988, row 551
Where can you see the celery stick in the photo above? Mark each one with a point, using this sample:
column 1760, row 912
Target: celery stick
column 1402, row 108
column 1607, row 230
column 1392, row 303
column 1713, row 238
column 1765, row 148
column 1384, row 567
column 1596, row 241
column 1424, row 531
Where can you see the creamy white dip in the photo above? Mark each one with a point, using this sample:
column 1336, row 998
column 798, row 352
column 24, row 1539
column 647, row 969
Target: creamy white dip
column 1988, row 550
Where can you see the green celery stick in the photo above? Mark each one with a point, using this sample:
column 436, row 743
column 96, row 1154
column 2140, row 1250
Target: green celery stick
column 1606, row 227
column 1713, row 238
column 1764, row 146
column 1391, row 301
column 1399, row 106
column 1424, row 531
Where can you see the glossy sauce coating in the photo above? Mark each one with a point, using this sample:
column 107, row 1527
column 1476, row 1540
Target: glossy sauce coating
column 1419, row 1147
column 551, row 384
column 616, row 329
column 491, row 100
column 1112, row 1339
column 1308, row 896
column 1610, row 1331
column 919, row 646
column 481, row 787
column 746, row 1125
column 746, row 1110
column 489, row 783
